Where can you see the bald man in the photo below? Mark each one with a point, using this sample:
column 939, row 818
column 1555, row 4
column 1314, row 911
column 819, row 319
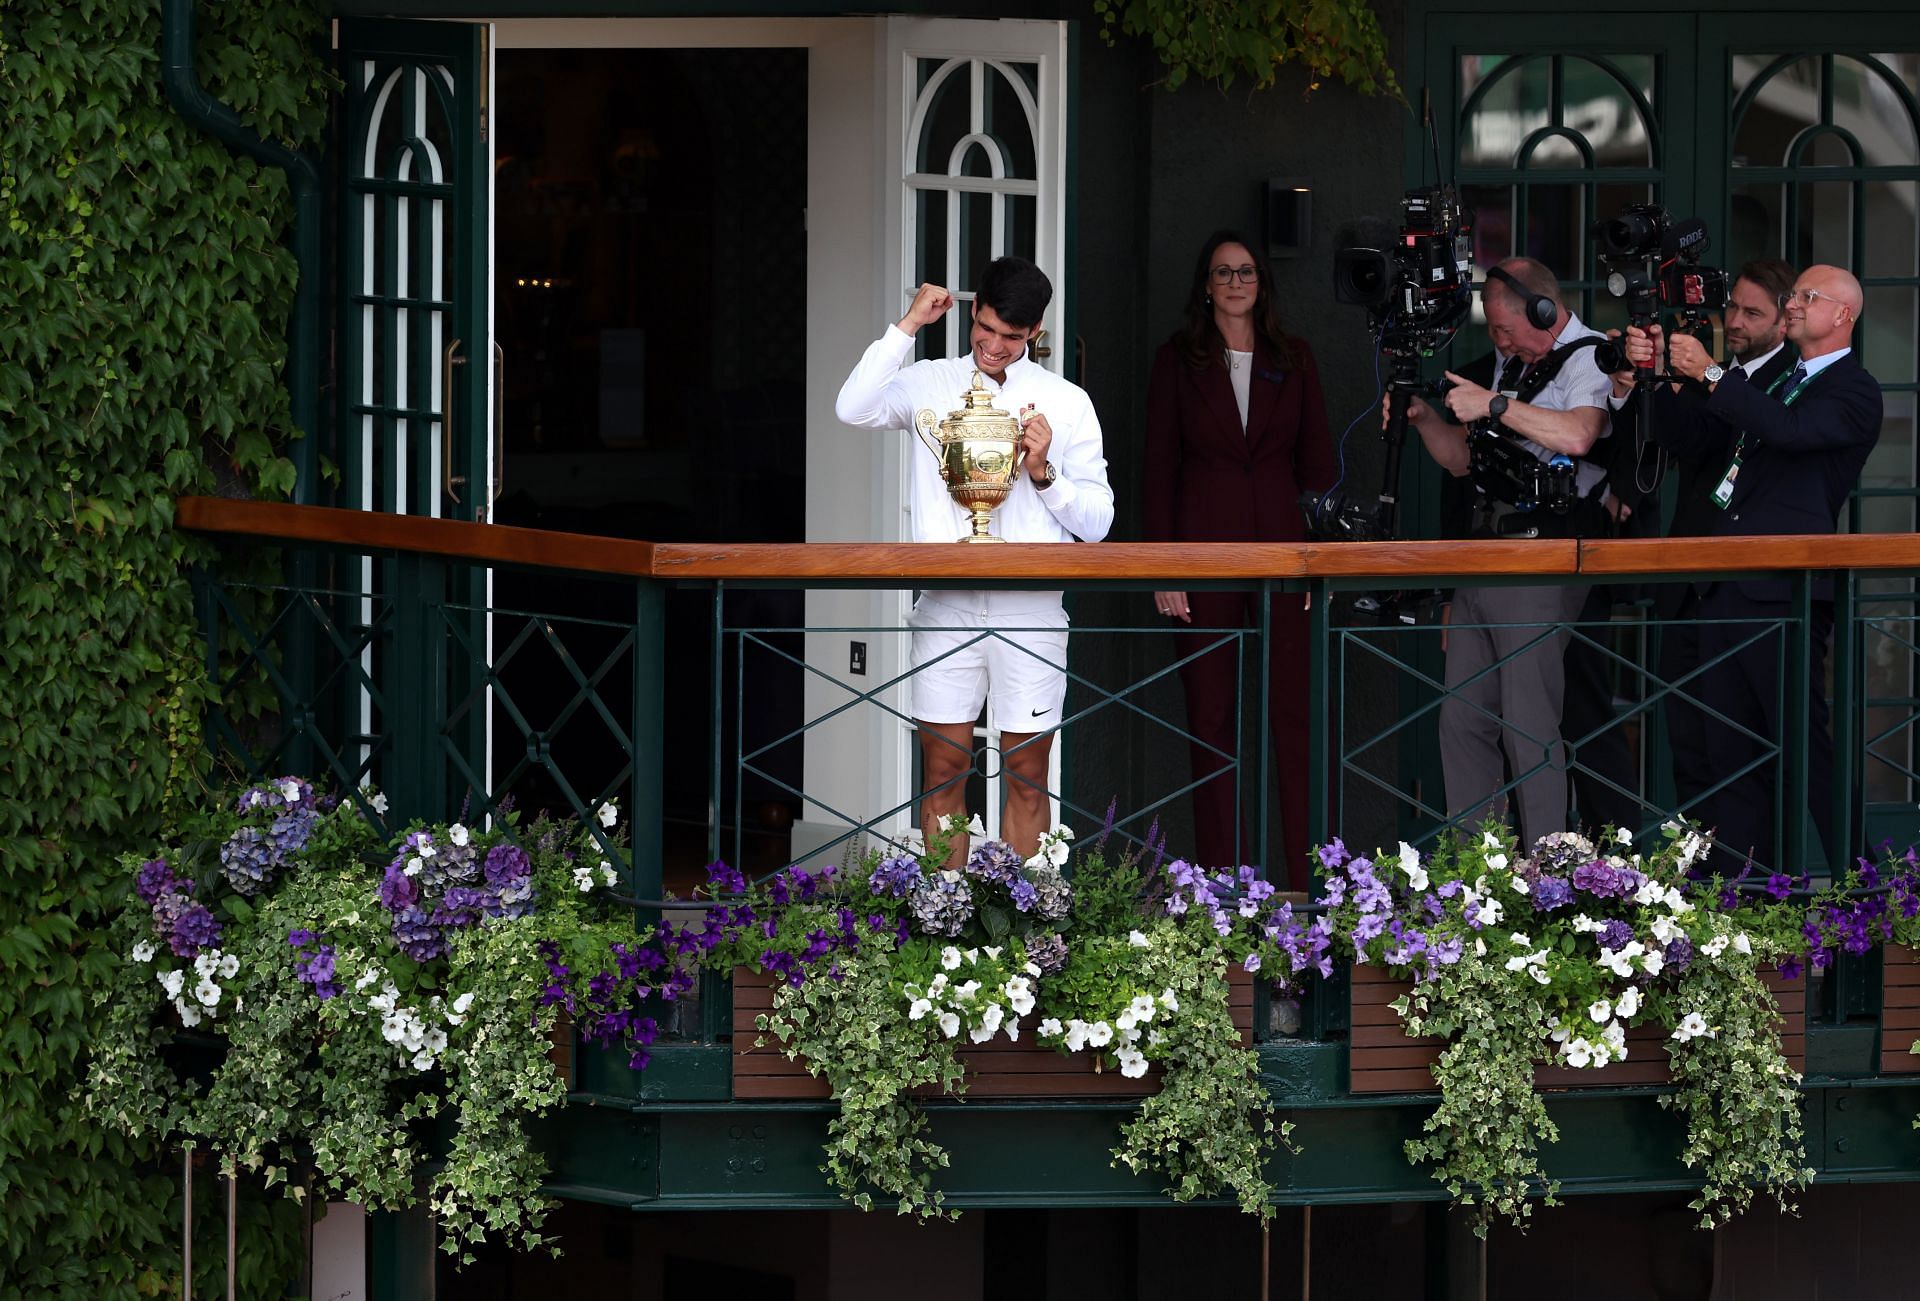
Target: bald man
column 1799, row 446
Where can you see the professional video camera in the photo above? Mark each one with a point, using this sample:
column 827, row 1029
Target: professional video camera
column 1654, row 266
column 1417, row 289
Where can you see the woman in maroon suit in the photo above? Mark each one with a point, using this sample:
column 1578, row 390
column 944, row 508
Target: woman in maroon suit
column 1236, row 430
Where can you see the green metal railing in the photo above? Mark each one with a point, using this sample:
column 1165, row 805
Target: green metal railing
column 555, row 694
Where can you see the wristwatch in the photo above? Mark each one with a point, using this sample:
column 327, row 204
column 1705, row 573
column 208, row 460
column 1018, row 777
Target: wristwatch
column 1043, row 484
column 1496, row 406
column 1714, row 373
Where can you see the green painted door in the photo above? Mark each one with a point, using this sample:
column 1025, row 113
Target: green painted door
column 417, row 396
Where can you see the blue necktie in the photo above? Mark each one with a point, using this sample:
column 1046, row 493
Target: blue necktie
column 1798, row 377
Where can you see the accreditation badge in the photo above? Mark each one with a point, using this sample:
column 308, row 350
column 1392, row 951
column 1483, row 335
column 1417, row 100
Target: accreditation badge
column 1723, row 493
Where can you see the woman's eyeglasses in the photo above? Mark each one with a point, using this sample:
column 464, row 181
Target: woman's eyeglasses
column 1225, row 275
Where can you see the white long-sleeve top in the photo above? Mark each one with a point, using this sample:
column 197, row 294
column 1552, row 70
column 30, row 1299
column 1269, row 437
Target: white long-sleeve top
column 881, row 394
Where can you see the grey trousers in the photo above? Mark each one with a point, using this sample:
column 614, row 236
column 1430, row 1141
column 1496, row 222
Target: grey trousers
column 1515, row 706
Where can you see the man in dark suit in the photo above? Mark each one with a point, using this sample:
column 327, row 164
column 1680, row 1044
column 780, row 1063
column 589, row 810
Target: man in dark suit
column 1799, row 445
column 1756, row 331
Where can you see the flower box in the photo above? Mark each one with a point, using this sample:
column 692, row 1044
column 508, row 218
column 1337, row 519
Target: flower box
column 996, row 1069
column 1899, row 1009
column 1382, row 1058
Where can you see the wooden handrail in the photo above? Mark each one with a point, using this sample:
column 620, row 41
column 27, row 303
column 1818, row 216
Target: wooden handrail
column 1171, row 563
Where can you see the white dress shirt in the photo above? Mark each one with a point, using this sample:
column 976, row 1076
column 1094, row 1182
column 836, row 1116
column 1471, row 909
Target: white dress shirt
column 882, row 394
column 1579, row 383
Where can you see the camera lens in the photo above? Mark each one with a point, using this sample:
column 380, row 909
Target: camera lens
column 1630, row 233
column 1361, row 275
column 1617, row 285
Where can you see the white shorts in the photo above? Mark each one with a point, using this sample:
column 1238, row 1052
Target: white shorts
column 963, row 646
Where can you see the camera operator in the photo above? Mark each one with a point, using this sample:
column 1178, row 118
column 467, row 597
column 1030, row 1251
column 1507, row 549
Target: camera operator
column 1504, row 669
column 1755, row 327
column 1798, row 446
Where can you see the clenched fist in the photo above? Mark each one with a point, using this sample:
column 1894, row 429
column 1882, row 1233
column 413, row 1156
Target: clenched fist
column 929, row 305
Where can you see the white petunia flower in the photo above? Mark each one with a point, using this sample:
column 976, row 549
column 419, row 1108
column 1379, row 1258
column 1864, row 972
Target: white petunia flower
column 937, row 984
column 172, row 982
column 918, row 1008
column 1521, row 940
column 1629, row 1002
column 583, row 879
column 1520, row 885
column 422, row 1060
column 189, row 1014
column 229, row 966
column 608, row 876
column 393, row 1027
column 1124, row 1022
column 1489, row 914
column 1692, row 1026
column 1601, row 1011
column 367, row 977
column 1137, row 939
column 1741, row 944
column 1714, row 947
column 290, row 790
column 949, row 1023
column 1489, row 841
column 967, row 991
column 144, row 951
column 1142, row 1007
column 1653, row 962
column 1579, row 1053
column 1099, row 1034
column 992, row 951
column 1076, row 1035
column 426, row 848
column 378, row 803
column 206, row 963
column 1664, row 929
column 436, row 1040
column 975, row 827
column 1624, row 836
column 1133, row 1064
column 608, row 814
column 1051, row 1027
column 1498, row 862
column 950, row 958
column 1517, row 963
column 208, row 993
column 458, row 834
column 991, row 1019
column 414, row 865
column 1410, row 864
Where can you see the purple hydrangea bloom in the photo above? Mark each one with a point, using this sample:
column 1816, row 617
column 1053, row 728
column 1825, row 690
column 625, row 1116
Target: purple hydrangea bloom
column 155, row 878
column 291, row 830
column 1052, row 895
column 1023, row 894
column 1606, row 880
column 417, row 936
column 398, row 891
column 995, row 861
column 1047, row 950
column 248, row 859
column 895, row 877
column 942, row 904
column 1616, row 935
column 1679, row 954
column 1550, row 892
column 506, row 863
column 194, row 928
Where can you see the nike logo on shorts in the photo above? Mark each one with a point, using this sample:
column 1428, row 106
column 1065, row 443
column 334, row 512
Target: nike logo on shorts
column 1038, row 712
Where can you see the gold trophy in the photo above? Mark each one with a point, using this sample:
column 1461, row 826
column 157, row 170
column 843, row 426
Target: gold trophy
column 978, row 449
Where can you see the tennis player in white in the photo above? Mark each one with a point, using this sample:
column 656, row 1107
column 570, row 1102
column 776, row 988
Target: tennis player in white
column 967, row 644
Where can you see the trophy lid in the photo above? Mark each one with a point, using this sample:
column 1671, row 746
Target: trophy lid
column 976, row 409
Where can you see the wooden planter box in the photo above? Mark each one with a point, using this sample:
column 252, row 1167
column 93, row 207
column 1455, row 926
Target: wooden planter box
column 996, row 1069
column 1384, row 1059
column 1899, row 1009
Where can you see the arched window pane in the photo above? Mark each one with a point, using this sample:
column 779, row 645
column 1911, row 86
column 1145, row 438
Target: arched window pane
column 1788, row 103
column 1006, row 118
column 1872, row 108
column 1600, row 109
column 1515, row 105
column 1827, row 150
column 948, row 119
column 1556, row 151
column 1492, row 209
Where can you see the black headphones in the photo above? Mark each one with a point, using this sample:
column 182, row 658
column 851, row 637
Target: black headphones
column 1541, row 310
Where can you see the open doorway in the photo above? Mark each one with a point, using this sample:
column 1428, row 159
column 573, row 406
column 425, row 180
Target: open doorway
column 650, row 276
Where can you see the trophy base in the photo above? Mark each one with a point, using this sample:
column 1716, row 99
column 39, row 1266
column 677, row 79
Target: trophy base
column 981, row 537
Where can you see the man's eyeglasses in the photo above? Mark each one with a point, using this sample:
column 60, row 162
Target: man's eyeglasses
column 1805, row 298
column 1225, row 275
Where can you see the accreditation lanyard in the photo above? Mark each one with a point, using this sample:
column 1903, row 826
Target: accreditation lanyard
column 1723, row 492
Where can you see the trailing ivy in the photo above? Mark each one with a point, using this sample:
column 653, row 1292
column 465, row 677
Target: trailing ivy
column 1221, row 40
column 144, row 292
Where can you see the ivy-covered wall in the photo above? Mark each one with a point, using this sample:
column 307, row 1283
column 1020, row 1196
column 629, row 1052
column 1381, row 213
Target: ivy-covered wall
column 144, row 294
